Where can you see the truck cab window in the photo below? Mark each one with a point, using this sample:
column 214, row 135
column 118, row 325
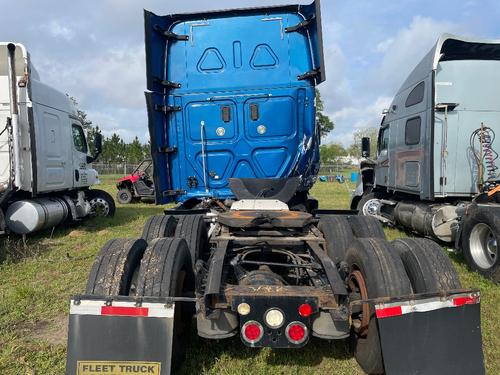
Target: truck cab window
column 79, row 139
column 412, row 131
column 383, row 141
column 416, row 95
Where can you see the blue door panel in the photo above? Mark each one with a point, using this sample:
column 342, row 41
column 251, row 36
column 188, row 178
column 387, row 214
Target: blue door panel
column 274, row 116
column 208, row 115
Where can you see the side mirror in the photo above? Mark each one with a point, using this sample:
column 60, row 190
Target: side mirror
column 98, row 148
column 98, row 144
column 365, row 147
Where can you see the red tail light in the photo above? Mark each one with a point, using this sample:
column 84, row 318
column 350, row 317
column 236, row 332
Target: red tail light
column 252, row 331
column 296, row 332
column 305, row 310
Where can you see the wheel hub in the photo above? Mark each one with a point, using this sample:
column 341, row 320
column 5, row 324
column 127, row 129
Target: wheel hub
column 483, row 246
column 99, row 207
column 357, row 287
column 372, row 207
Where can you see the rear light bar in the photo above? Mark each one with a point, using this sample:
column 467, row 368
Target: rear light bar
column 387, row 310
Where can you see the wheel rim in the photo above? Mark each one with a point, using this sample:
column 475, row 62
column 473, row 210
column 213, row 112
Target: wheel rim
column 99, row 207
column 372, row 207
column 124, row 197
column 483, row 246
column 357, row 286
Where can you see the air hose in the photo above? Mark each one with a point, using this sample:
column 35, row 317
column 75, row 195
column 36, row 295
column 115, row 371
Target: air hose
column 485, row 157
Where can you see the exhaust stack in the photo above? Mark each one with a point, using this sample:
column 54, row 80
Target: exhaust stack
column 14, row 112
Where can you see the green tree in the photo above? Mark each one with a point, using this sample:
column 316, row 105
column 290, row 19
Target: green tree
column 325, row 124
column 135, row 151
column 114, row 149
column 330, row 153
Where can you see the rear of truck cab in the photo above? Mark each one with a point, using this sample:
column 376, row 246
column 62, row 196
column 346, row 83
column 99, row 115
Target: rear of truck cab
column 224, row 102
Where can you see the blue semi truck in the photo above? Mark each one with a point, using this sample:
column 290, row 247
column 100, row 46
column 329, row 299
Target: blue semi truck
column 246, row 252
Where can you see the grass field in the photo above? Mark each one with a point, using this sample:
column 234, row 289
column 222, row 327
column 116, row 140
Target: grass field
column 38, row 277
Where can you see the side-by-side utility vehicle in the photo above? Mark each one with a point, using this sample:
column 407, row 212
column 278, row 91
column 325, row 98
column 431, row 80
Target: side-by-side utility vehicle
column 436, row 170
column 246, row 252
column 45, row 166
column 138, row 185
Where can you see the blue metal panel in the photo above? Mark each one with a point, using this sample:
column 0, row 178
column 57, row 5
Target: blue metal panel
column 232, row 95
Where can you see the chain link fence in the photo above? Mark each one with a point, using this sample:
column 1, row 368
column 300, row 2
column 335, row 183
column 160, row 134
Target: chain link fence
column 127, row 168
column 114, row 169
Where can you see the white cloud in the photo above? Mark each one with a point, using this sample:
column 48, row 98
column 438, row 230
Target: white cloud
column 409, row 46
column 349, row 119
column 58, row 30
column 384, row 45
column 361, row 105
column 115, row 77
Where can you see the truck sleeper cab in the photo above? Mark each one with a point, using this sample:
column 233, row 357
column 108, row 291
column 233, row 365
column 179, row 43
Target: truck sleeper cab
column 436, row 149
column 45, row 166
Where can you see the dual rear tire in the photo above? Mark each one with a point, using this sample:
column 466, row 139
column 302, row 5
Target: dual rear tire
column 160, row 264
column 340, row 232
column 378, row 268
column 130, row 267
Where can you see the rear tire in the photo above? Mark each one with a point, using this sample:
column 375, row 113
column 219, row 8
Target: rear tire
column 193, row 229
column 101, row 203
column 159, row 226
column 166, row 271
column 114, row 267
column 124, row 196
column 366, row 227
column 480, row 238
column 375, row 262
column 338, row 236
column 427, row 267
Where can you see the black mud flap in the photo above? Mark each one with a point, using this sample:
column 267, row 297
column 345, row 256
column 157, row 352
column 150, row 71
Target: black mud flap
column 119, row 337
column 438, row 335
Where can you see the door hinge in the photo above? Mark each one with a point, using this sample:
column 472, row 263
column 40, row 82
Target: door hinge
column 169, row 84
column 167, row 108
column 169, row 34
column 308, row 75
column 300, row 26
column 171, row 193
column 167, row 150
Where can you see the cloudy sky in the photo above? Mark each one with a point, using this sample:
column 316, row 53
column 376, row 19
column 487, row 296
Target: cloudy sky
column 94, row 51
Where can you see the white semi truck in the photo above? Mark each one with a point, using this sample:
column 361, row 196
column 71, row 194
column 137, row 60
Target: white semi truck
column 45, row 166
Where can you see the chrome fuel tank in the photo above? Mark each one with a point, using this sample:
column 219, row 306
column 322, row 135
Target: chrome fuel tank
column 27, row 216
